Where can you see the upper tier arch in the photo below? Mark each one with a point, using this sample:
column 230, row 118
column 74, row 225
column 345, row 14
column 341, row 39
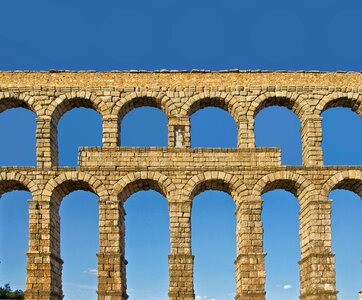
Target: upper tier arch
column 142, row 98
column 222, row 100
column 66, row 102
column 10, row 100
column 340, row 99
column 290, row 100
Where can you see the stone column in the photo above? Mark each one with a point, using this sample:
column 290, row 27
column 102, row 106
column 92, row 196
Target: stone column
column 111, row 261
column 360, row 295
column 181, row 260
column 44, row 265
column 311, row 134
column 46, row 143
column 317, row 271
column 249, row 263
column 111, row 131
column 246, row 137
column 179, row 132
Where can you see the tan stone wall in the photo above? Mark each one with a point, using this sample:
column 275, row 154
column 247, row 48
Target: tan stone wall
column 179, row 173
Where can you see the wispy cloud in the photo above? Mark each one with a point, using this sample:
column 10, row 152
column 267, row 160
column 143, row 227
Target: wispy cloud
column 198, row 297
column 287, row 286
column 90, row 271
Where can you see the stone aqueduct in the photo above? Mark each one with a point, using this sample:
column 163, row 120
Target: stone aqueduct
column 179, row 172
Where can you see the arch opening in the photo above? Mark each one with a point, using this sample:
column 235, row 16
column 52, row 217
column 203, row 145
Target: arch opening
column 13, row 102
column 208, row 102
column 276, row 126
column 141, row 184
column 144, row 126
column 78, row 127
column 76, row 273
column 79, row 242
column 340, row 126
column 18, row 129
column 147, row 241
column 69, row 104
column 344, row 102
column 285, row 102
column 281, row 241
column 11, row 185
column 68, row 186
column 213, row 226
column 14, row 227
column 287, row 185
column 211, row 184
column 212, row 126
column 139, row 102
column 346, row 214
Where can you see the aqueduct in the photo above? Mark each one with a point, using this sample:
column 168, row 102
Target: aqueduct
column 179, row 172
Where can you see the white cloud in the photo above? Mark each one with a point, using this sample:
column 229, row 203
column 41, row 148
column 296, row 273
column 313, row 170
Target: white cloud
column 287, row 286
column 90, row 271
column 198, row 297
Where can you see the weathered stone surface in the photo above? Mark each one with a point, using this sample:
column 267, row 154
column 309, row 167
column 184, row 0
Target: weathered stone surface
column 179, row 173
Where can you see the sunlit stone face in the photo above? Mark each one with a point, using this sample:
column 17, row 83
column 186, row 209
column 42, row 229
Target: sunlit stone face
column 178, row 171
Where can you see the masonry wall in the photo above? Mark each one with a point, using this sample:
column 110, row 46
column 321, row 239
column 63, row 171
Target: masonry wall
column 178, row 172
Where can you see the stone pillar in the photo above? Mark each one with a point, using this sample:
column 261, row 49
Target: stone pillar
column 181, row 260
column 111, row 131
column 360, row 295
column 317, row 271
column 46, row 143
column 179, row 132
column 44, row 265
column 249, row 263
column 311, row 134
column 111, row 261
column 246, row 137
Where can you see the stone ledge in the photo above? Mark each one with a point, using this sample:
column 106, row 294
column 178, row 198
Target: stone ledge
column 248, row 255
column 251, row 296
column 176, row 158
column 112, row 295
column 176, row 78
column 31, row 294
column 315, row 255
column 321, row 294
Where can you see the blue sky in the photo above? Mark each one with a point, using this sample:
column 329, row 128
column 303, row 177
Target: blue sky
column 274, row 35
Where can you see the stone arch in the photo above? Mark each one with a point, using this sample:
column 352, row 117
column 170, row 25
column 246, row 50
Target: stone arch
column 221, row 181
column 347, row 180
column 292, row 182
column 289, row 100
column 15, row 181
column 222, row 100
column 340, row 99
column 68, row 182
column 54, row 192
column 65, row 103
column 142, row 98
column 137, row 181
column 68, row 101
column 10, row 100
